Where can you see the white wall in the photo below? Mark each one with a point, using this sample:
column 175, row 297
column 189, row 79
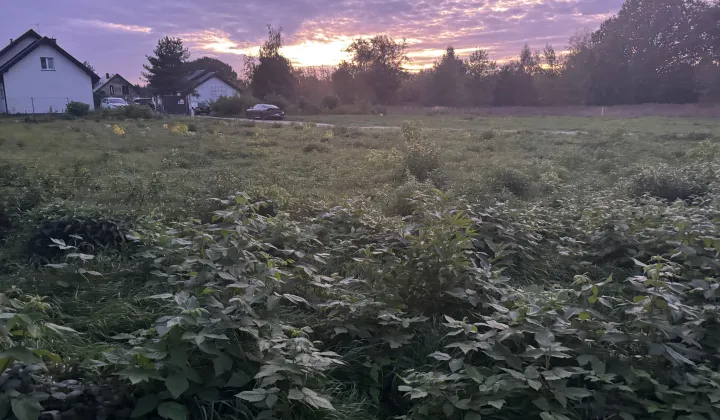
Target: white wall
column 212, row 89
column 2, row 99
column 29, row 89
column 16, row 49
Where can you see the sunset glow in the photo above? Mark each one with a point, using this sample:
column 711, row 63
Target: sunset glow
column 116, row 37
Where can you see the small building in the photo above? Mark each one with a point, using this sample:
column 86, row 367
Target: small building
column 200, row 86
column 116, row 86
column 37, row 76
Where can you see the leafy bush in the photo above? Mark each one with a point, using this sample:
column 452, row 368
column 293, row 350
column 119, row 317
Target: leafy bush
column 233, row 106
column 316, row 147
column 77, row 109
column 422, row 157
column 378, row 110
column 668, row 183
column 511, row 180
column 134, row 112
column 487, row 135
column 331, row 102
column 277, row 100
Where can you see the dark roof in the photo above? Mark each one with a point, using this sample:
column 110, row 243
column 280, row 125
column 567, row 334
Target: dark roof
column 52, row 43
column 29, row 33
column 199, row 77
column 104, row 80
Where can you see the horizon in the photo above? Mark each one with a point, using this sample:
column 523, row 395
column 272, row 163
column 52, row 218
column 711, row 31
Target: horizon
column 116, row 39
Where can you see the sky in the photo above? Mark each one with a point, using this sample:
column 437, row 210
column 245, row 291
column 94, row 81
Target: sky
column 115, row 36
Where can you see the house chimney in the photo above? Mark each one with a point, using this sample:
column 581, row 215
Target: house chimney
column 11, row 40
column 107, row 75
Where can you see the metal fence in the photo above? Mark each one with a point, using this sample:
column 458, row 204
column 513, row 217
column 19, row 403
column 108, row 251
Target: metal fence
column 37, row 104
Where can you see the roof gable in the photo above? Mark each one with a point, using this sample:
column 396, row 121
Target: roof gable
column 201, row 76
column 28, row 34
column 51, row 43
column 104, row 81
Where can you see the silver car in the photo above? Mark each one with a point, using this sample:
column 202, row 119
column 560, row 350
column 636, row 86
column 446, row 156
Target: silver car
column 112, row 103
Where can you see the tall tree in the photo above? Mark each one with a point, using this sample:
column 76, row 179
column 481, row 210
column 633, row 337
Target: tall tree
column 482, row 74
column 166, row 67
column 223, row 69
column 378, row 64
column 447, row 86
column 343, row 83
column 271, row 73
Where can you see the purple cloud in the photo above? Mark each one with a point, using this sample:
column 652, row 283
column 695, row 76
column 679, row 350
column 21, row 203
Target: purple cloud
column 115, row 36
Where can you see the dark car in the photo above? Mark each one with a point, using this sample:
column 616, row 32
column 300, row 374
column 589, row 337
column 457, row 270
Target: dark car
column 202, row 108
column 144, row 101
column 265, row 112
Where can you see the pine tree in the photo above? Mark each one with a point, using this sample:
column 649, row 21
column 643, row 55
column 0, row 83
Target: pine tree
column 167, row 66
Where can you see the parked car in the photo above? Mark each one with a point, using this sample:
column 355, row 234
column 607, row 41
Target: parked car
column 112, row 103
column 265, row 112
column 144, row 101
column 202, row 108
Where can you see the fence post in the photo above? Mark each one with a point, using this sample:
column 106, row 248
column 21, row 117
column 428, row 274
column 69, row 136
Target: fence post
column 33, row 103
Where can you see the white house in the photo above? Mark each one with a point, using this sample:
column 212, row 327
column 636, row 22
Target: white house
column 201, row 86
column 37, row 76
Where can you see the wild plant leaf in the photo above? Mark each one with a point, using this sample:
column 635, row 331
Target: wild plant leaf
column 397, row 341
column 317, row 401
column 238, row 380
column 177, row 384
column 25, row 407
column 172, row 411
column 448, row 410
column 545, row 339
column 22, row 354
column 577, row 393
column 137, row 375
column 222, row 363
column 295, row 394
column 496, row 403
column 440, row 356
column 472, row 416
column 255, row 395
column 145, row 405
column 456, row 364
column 534, row 384
column 474, row 374
column 464, row 346
column 542, row 403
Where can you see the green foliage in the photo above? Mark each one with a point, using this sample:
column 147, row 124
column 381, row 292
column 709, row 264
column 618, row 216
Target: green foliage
column 669, row 183
column 277, row 100
column 330, row 102
column 135, row 112
column 423, row 157
column 166, row 68
column 77, row 109
column 233, row 106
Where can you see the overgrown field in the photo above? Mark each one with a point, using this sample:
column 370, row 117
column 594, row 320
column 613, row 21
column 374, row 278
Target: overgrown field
column 212, row 269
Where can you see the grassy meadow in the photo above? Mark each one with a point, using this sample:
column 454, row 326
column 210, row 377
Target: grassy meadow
column 444, row 267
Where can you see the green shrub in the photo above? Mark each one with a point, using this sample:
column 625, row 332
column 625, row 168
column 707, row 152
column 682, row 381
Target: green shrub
column 668, row 183
column 77, row 109
column 488, row 135
column 233, row 106
column 422, row 157
column 331, row 102
column 277, row 100
column 316, row 147
column 511, row 180
column 134, row 112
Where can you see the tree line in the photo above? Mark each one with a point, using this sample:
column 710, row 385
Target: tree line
column 662, row 51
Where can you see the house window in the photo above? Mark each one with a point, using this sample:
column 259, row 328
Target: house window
column 47, row 63
column 126, row 90
column 112, row 89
